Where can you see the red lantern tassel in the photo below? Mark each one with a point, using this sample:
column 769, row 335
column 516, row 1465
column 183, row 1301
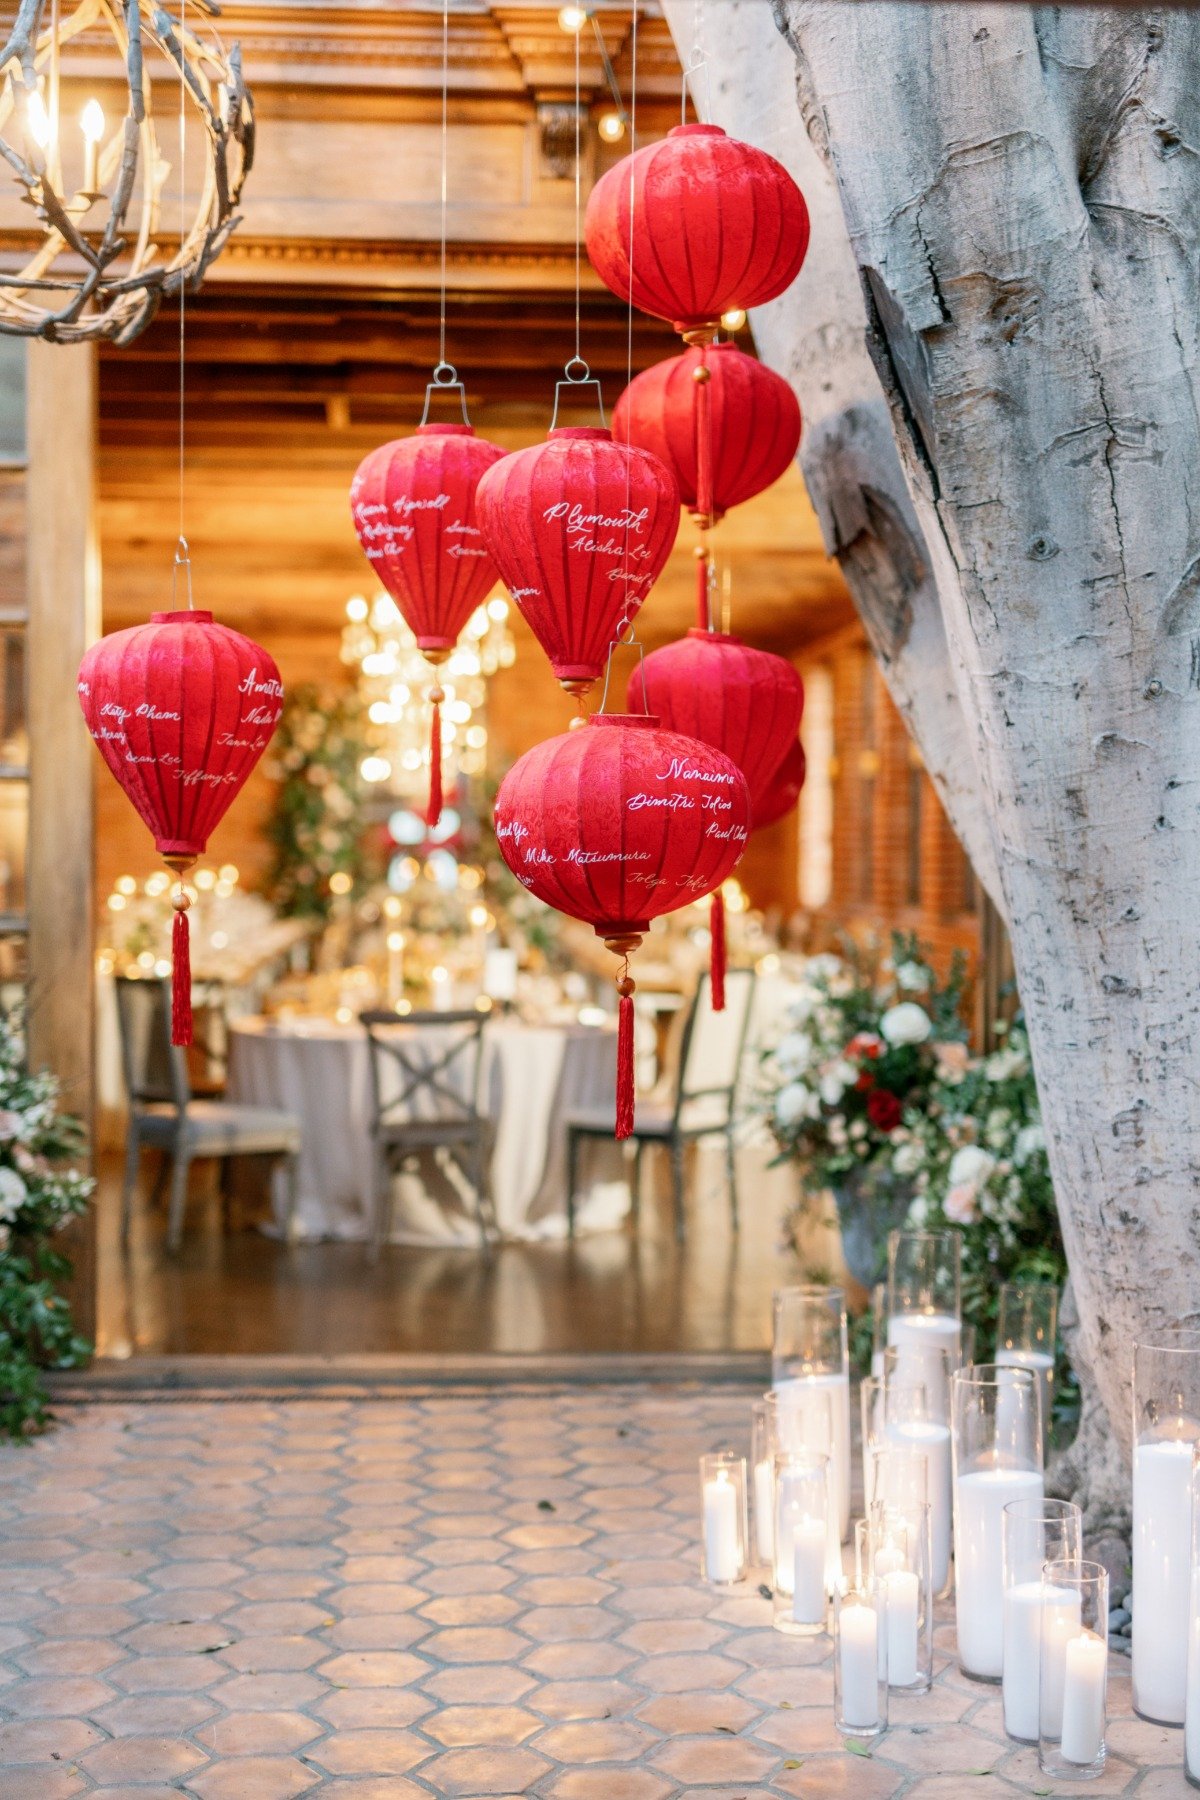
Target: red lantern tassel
column 181, row 978
column 716, row 927
column 702, row 376
column 625, row 1088
column 703, row 622
column 433, row 811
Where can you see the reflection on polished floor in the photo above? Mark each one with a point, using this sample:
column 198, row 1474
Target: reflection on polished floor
column 231, row 1290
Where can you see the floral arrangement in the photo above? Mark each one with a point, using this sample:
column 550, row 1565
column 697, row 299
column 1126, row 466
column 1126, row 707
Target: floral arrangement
column 39, row 1193
column 870, row 1087
column 315, row 828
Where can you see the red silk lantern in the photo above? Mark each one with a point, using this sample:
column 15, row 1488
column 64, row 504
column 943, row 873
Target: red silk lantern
column 754, row 422
column 181, row 709
column 747, row 703
column 579, row 528
column 413, row 506
column 616, row 823
column 717, row 226
column 783, row 790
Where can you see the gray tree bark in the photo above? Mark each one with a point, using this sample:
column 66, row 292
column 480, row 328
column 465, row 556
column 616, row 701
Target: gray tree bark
column 995, row 342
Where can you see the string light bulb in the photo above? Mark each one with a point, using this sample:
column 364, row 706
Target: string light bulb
column 611, row 127
column 733, row 321
column 572, row 19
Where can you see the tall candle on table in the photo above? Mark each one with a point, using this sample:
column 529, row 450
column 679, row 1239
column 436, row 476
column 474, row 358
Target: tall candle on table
column 1162, row 1573
column 980, row 1497
column 808, row 1571
column 921, row 1332
column 791, row 1394
column 902, row 1589
column 1032, row 1612
column 1085, row 1676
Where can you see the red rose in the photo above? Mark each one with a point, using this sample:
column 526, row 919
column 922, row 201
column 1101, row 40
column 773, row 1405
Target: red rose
column 884, row 1110
column 865, row 1043
column 865, row 1080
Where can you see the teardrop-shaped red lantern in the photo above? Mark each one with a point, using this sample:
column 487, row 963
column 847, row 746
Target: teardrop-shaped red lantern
column 413, row 506
column 747, row 703
column 181, row 709
column 616, row 823
column 783, row 790
column 579, row 528
column 718, row 225
column 754, row 424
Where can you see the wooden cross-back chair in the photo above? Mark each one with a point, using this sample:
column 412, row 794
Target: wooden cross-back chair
column 425, row 1070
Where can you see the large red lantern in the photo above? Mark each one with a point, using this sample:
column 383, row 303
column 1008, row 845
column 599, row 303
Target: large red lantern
column 413, row 505
column 747, row 703
column 616, row 823
column 717, row 225
column 783, row 790
column 579, row 528
column 181, row 709
column 754, row 419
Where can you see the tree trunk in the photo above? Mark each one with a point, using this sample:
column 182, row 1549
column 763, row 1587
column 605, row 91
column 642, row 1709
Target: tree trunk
column 1012, row 484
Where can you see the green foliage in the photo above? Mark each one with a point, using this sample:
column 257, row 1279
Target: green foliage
column 315, row 829
column 39, row 1193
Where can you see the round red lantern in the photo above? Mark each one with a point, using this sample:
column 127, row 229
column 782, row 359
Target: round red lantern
column 616, row 823
column 717, row 225
column 747, row 703
column 753, row 425
column 413, row 506
column 579, row 528
column 783, row 790
column 181, row 709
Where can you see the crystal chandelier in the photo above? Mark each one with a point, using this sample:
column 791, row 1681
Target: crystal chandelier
column 95, row 184
column 392, row 676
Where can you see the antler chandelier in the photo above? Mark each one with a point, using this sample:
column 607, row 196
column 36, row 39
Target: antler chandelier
column 99, row 270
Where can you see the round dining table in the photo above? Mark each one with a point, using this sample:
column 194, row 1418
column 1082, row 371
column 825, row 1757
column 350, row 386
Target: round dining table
column 531, row 1076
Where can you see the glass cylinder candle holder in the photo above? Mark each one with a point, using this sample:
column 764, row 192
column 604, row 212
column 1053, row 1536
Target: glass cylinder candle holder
column 900, row 1550
column 762, row 1480
column 996, row 1446
column 1074, row 1669
column 802, row 1537
column 924, row 1297
column 911, row 1426
column 810, row 1348
column 860, row 1682
column 1027, row 1337
column 1033, row 1532
column 723, row 1517
column 1191, row 1715
column 1166, row 1425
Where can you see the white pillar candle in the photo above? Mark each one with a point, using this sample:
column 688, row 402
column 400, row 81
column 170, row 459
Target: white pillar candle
column 979, row 1501
column 933, row 1442
column 1023, row 1628
column 903, row 1590
column 858, row 1666
column 1085, row 1674
column 1162, row 1562
column 790, row 1396
column 764, row 1510
column 929, row 1331
column 808, row 1572
column 721, row 1559
column 1191, row 1723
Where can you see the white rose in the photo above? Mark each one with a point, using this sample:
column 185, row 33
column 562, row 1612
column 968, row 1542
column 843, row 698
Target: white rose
column 1030, row 1139
column 1003, row 1065
column 907, row 1023
column 793, row 1054
column 831, row 1088
column 971, row 1166
column 793, row 1104
column 907, row 1159
column 918, row 1212
column 911, row 977
column 13, row 1194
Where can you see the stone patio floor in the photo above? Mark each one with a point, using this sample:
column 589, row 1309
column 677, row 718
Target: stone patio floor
column 462, row 1593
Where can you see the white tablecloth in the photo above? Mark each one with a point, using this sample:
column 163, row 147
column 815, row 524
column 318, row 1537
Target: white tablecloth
column 531, row 1076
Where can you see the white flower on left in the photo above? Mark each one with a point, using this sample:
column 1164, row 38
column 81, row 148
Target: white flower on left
column 793, row 1104
column 13, row 1194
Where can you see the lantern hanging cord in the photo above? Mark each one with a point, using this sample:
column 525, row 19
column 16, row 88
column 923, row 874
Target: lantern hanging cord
column 578, row 200
column 445, row 165
column 697, row 61
column 629, row 311
column 182, row 545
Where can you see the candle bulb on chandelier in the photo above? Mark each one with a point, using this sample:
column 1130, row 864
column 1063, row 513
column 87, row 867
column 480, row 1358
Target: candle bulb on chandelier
column 91, row 123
